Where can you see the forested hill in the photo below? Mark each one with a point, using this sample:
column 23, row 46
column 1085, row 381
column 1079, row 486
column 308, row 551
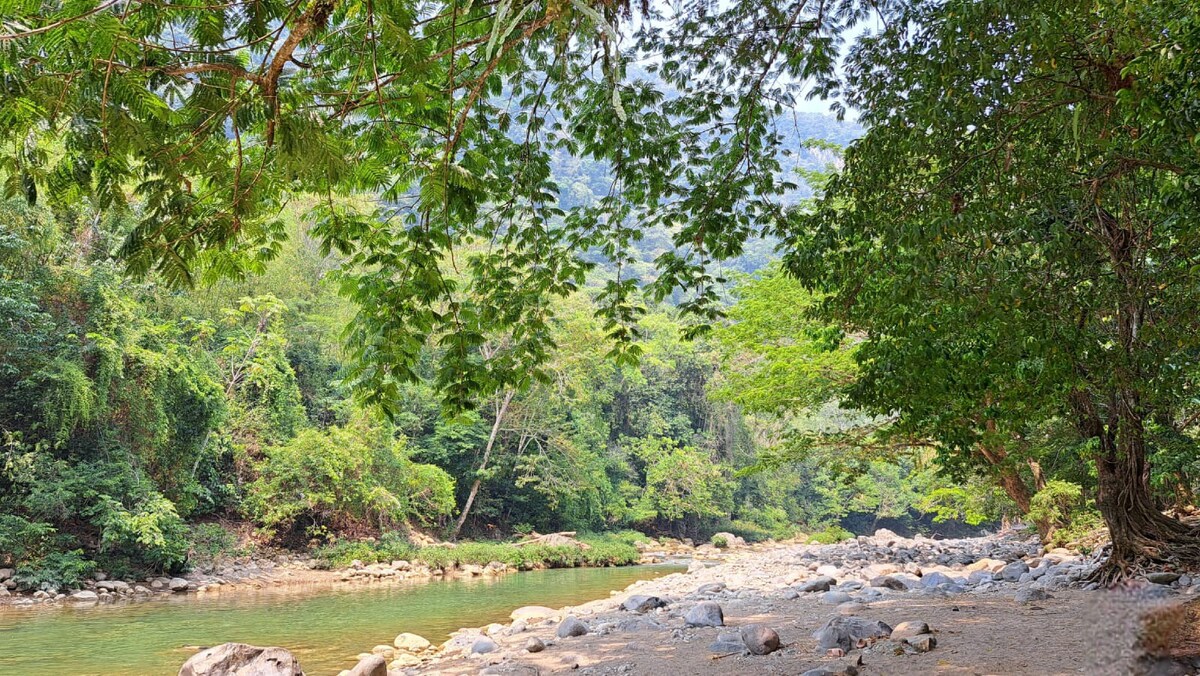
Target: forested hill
column 584, row 181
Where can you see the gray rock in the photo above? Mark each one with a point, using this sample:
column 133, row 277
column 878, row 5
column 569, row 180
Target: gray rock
column 534, row 645
column 1029, row 595
column 1013, row 571
column 889, row 582
column 705, row 614
column 571, row 626
column 906, row 630
column 834, row 598
column 980, row 577
column 483, row 645
column 373, row 665
column 728, row 642
column 6, row 573
column 760, row 639
column 1162, row 577
column 936, row 579
column 85, row 596
column 818, row 584
column 239, row 658
column 178, row 584
column 845, row 632
column 640, row 603
column 711, row 588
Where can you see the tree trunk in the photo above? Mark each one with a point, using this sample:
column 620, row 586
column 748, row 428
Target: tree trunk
column 1013, row 483
column 1142, row 537
column 501, row 409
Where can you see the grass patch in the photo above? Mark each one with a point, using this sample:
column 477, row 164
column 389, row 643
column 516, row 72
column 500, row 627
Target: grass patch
column 605, row 549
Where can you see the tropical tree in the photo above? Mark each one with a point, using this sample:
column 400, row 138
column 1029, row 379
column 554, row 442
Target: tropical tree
column 418, row 127
column 1015, row 236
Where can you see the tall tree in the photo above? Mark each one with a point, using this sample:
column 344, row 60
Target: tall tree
column 203, row 120
column 1016, row 234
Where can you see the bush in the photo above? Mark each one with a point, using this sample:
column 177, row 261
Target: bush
column 152, row 532
column 1055, row 503
column 342, row 478
column 605, row 550
column 390, row 546
column 55, row 570
column 210, row 542
column 829, row 536
column 720, row 542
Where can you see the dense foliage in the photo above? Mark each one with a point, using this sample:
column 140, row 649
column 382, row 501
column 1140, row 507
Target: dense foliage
column 520, row 231
column 1015, row 238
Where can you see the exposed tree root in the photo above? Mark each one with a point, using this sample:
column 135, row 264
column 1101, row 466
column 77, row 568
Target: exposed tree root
column 1136, row 556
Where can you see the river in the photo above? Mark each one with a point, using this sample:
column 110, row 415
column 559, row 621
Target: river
column 325, row 626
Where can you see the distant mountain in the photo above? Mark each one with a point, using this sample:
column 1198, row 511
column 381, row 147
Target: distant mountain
column 583, row 181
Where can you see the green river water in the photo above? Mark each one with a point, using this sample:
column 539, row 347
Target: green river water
column 325, row 627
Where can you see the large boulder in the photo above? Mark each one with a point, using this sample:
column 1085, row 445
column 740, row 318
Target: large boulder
column 178, row 584
column 1013, row 571
column 239, row 659
column 532, row 613
column 705, row 614
column 411, row 643
column 909, row 629
column 846, row 632
column 760, row 639
column 571, row 626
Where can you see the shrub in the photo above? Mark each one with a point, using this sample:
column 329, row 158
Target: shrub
column 390, row 546
column 829, row 536
column 1055, row 503
column 152, row 532
column 346, row 477
column 720, row 542
column 210, row 542
column 604, row 550
column 55, row 570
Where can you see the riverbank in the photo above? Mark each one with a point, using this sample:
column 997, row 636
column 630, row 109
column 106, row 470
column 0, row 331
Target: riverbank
column 875, row 605
column 362, row 562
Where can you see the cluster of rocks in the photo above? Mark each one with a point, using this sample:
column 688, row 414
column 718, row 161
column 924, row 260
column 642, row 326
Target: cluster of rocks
column 96, row 590
column 404, row 570
column 848, row 578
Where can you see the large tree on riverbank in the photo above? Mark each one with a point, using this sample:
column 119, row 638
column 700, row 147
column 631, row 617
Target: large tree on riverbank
column 1018, row 235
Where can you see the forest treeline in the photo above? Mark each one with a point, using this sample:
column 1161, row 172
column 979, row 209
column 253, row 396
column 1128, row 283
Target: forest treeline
column 138, row 418
column 524, row 214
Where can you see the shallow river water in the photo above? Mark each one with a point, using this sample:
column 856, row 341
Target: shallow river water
column 325, row 627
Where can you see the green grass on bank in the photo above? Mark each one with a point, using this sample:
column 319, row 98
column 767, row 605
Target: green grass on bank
column 606, row 549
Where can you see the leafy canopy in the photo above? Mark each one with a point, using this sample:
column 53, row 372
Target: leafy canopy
column 420, row 127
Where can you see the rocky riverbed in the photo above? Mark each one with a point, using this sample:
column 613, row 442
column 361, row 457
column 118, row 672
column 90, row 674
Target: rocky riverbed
column 874, row 605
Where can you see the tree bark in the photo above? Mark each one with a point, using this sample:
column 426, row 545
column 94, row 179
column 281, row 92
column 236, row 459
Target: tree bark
column 1141, row 536
column 501, row 409
column 1013, row 483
